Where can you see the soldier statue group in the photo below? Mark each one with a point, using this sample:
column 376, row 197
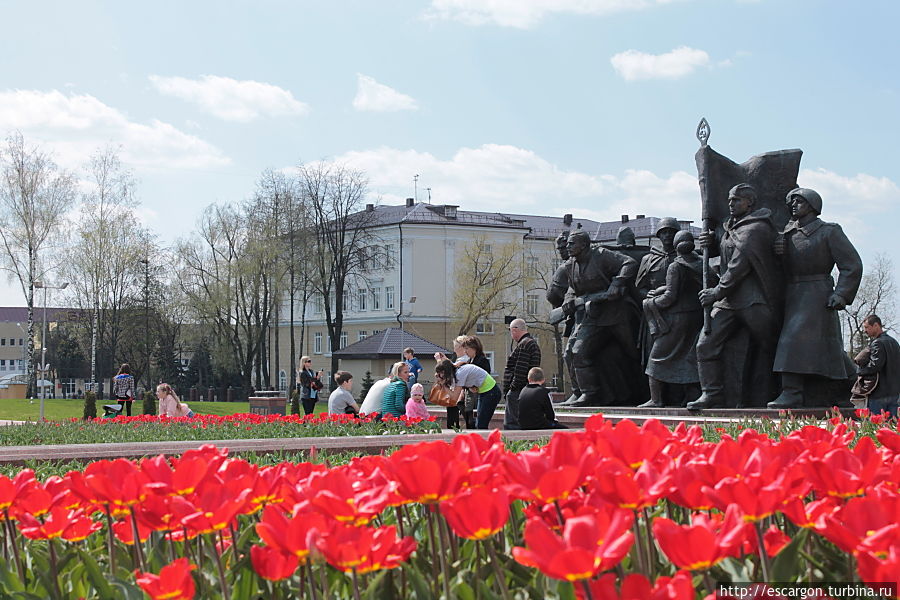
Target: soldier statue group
column 646, row 321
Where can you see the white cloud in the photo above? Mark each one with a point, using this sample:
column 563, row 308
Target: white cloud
column 528, row 13
column 74, row 126
column 856, row 203
column 230, row 99
column 633, row 65
column 503, row 178
column 374, row 96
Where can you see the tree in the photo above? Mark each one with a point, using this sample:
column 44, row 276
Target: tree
column 484, row 278
column 284, row 200
column 877, row 295
column 104, row 262
column 341, row 234
column 224, row 278
column 542, row 264
column 34, row 197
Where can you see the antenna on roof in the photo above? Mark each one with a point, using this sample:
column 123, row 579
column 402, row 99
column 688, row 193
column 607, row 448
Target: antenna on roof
column 416, row 187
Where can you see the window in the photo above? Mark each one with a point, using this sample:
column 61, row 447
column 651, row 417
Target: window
column 328, row 343
column 484, row 328
column 389, row 297
column 282, row 380
column 2, row 341
column 317, row 343
column 531, row 304
column 343, row 339
column 345, row 302
column 531, row 262
column 389, row 255
column 376, row 298
column 2, row 365
column 67, row 386
column 21, row 341
column 376, row 331
column 364, row 259
column 486, row 248
column 490, row 357
column 318, row 304
column 361, row 298
column 361, row 335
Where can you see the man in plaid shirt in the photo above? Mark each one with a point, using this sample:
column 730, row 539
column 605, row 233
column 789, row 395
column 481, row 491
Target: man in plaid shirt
column 525, row 355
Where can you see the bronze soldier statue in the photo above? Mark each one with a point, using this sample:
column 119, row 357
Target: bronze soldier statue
column 674, row 319
column 556, row 295
column 602, row 345
column 748, row 297
column 810, row 343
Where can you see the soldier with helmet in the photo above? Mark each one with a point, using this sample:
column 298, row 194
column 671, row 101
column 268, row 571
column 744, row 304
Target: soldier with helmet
column 810, row 343
column 602, row 344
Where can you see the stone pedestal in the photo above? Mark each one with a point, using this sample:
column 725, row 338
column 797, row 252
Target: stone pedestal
column 268, row 405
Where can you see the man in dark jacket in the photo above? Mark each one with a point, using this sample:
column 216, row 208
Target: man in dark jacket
column 884, row 359
column 747, row 297
column 525, row 355
column 535, row 408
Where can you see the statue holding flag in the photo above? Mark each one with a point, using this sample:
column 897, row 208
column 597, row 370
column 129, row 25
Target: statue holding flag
column 743, row 211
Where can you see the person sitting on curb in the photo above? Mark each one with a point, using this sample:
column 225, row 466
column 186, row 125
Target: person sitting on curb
column 341, row 401
column 535, row 408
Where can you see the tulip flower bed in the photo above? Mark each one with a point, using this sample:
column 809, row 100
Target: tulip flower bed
column 615, row 511
column 146, row 428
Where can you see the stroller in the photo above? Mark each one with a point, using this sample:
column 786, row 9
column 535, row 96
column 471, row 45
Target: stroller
column 112, row 410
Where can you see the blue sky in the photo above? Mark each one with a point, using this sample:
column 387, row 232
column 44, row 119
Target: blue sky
column 535, row 106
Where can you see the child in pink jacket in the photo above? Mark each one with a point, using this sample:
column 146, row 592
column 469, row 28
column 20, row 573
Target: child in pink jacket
column 415, row 406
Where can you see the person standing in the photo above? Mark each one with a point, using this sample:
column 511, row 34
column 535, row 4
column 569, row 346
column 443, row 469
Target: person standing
column 748, row 296
column 123, row 388
column 474, row 349
column 341, row 401
column 310, row 383
column 415, row 367
column 525, row 355
column 395, row 395
column 884, row 360
column 811, row 343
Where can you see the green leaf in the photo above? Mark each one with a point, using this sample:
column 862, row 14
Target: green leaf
column 786, row 564
column 418, row 583
column 464, row 591
column 98, row 580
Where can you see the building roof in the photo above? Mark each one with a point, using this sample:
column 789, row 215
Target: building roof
column 19, row 314
column 541, row 227
column 389, row 343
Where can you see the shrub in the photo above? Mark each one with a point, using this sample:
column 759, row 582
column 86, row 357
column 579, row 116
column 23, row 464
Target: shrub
column 295, row 402
column 367, row 382
column 149, row 405
column 90, row 406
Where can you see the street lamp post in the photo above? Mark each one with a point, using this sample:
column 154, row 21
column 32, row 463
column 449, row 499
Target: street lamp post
column 44, row 367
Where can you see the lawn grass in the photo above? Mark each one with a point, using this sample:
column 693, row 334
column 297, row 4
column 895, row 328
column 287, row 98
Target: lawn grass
column 54, row 409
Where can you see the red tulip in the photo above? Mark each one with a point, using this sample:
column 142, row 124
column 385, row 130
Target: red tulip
column 477, row 513
column 550, row 473
column 427, row 472
column 884, row 570
column 637, row 587
column 271, row 563
column 363, row 549
column 589, row 544
column 703, row 544
column 59, row 522
column 635, row 490
column 289, row 535
column 845, row 473
column 625, row 441
column 809, row 515
column 174, row 581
